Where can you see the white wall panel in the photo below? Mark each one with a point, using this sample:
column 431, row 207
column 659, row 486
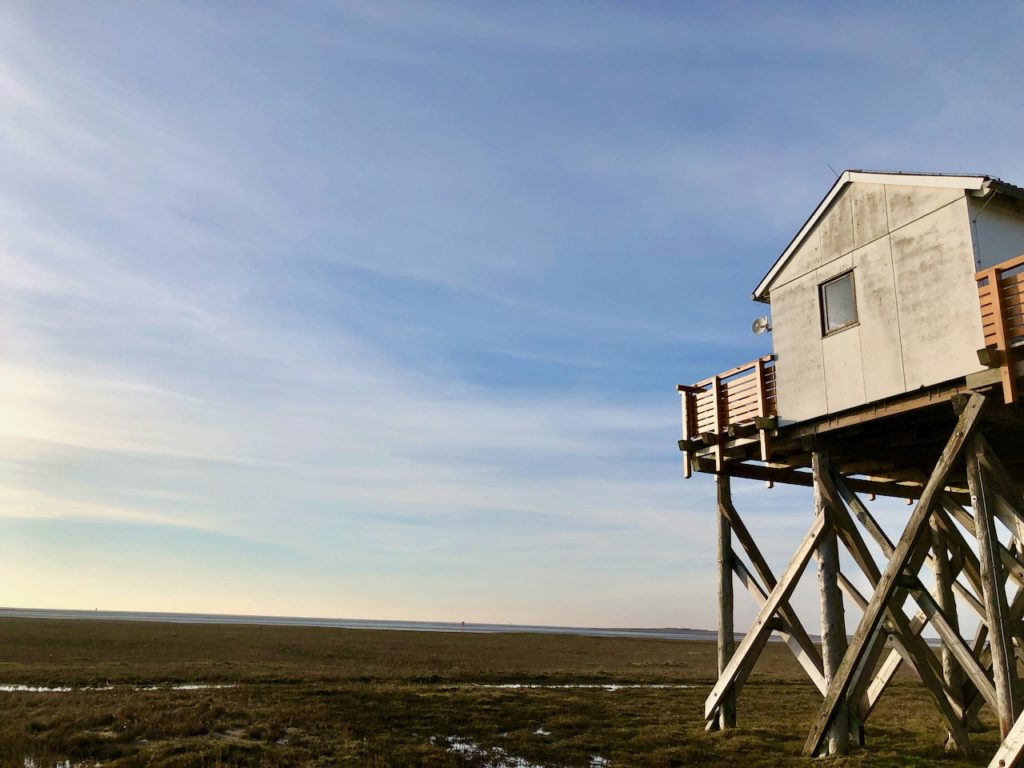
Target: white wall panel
column 998, row 233
column 870, row 219
column 905, row 204
column 844, row 371
column 881, row 349
column 937, row 297
column 796, row 337
column 837, row 229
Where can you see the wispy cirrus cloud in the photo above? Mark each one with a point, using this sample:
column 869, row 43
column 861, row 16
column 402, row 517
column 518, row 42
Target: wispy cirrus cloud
column 376, row 310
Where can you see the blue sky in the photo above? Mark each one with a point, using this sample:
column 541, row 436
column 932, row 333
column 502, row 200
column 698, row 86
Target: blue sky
column 376, row 309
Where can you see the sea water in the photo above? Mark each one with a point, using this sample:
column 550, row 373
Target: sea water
column 304, row 621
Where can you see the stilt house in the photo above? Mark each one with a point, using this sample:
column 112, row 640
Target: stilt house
column 896, row 316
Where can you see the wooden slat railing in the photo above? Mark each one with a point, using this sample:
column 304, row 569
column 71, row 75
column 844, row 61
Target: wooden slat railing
column 1001, row 295
column 736, row 397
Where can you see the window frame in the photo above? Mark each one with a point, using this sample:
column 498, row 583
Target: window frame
column 823, row 304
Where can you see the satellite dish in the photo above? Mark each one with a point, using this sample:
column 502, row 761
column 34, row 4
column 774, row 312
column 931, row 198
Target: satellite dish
column 761, row 325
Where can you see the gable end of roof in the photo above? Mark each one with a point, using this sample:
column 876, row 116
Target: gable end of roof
column 971, row 183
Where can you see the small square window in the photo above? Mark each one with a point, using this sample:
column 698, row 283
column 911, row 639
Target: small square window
column 838, row 304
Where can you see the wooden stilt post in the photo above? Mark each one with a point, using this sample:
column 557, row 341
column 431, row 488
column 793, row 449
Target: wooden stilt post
column 805, row 650
column 726, row 633
column 754, row 639
column 906, row 637
column 1004, row 671
column 906, row 553
column 952, row 674
column 833, row 623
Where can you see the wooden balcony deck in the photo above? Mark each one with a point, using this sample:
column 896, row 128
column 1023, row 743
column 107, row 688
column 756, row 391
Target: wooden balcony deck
column 1001, row 295
column 736, row 404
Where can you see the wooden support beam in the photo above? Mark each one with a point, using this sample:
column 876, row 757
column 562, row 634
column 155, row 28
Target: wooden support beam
column 851, row 591
column 726, row 634
column 867, row 520
column 1013, row 567
column 1010, row 751
column 797, row 477
column 956, row 644
column 962, row 552
column 906, row 552
column 785, row 631
column 896, row 657
column 902, row 404
column 885, row 673
column 991, row 357
column 833, row 622
column 760, row 629
column 983, row 651
column 952, row 674
column 912, row 647
column 1009, row 499
column 808, row 657
column 741, row 430
column 1004, row 666
column 805, row 479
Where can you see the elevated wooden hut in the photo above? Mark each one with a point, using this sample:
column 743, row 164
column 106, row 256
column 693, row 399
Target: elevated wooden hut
column 897, row 313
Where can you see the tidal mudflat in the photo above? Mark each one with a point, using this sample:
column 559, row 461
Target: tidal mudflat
column 109, row 693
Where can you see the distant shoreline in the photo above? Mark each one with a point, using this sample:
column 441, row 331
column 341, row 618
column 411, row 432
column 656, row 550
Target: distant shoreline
column 667, row 633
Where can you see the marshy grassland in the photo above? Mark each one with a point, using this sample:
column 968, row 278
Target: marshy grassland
column 157, row 694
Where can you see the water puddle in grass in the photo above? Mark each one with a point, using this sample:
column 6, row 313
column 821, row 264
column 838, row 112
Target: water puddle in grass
column 51, row 689
column 6, row 688
column 594, row 686
column 496, row 757
column 491, row 758
column 185, row 687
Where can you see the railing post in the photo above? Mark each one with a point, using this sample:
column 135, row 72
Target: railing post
column 688, row 401
column 716, row 394
column 762, row 406
column 1009, row 364
column 1008, row 373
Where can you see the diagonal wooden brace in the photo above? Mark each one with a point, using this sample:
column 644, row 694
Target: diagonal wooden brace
column 809, row 657
column 786, row 631
column 917, row 652
column 907, row 551
column 761, row 627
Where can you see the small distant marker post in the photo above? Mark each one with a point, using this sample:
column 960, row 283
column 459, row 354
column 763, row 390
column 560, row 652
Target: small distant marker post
column 463, row 627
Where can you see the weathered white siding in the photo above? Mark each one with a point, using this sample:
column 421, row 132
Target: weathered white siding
column 799, row 364
column 937, row 297
column 913, row 261
column 881, row 347
column 998, row 232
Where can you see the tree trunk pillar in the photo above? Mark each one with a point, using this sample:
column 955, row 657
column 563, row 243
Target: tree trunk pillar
column 952, row 673
column 1004, row 663
column 833, row 622
column 726, row 632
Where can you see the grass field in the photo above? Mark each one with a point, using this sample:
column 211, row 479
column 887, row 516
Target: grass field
column 298, row 696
